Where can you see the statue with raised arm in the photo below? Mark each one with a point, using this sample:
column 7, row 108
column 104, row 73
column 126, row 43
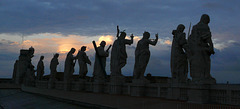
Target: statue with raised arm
column 40, row 68
column 69, row 69
column 99, row 73
column 201, row 47
column 119, row 54
column 53, row 68
column 142, row 55
column 83, row 60
column 179, row 52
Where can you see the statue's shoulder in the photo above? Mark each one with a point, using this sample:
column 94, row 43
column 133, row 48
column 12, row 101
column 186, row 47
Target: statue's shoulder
column 100, row 48
column 183, row 34
column 195, row 27
column 202, row 26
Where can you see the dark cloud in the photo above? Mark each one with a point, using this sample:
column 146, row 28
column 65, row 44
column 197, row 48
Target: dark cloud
column 100, row 17
column 96, row 17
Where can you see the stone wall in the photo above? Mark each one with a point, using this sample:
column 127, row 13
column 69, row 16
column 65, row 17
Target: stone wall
column 216, row 94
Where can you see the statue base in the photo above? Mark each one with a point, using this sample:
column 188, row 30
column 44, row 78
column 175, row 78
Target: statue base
column 199, row 94
column 98, row 87
column 67, row 85
column 51, row 83
column 138, row 87
column 178, row 91
column 78, row 85
column 115, row 84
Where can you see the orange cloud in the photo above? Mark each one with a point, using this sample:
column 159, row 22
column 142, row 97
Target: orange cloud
column 168, row 42
column 62, row 44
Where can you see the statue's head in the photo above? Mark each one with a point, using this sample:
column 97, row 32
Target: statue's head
column 42, row 57
column 123, row 35
column 56, row 55
column 83, row 48
column 180, row 28
column 72, row 50
column 146, row 35
column 31, row 51
column 205, row 19
column 103, row 43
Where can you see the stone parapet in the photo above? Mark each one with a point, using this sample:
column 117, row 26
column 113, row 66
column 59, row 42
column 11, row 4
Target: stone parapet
column 218, row 94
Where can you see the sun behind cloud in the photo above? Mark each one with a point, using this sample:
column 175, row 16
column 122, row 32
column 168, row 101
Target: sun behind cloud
column 108, row 39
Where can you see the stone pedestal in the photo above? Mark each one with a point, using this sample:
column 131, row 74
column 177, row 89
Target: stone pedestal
column 42, row 84
column 138, row 87
column 178, row 91
column 67, row 85
column 199, row 94
column 51, row 83
column 116, row 83
column 98, row 86
column 173, row 93
column 79, row 85
column 59, row 85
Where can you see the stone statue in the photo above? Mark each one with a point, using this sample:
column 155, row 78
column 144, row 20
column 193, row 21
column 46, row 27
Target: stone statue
column 83, row 60
column 142, row 55
column 99, row 72
column 40, row 68
column 53, row 68
column 179, row 62
column 15, row 70
column 24, row 67
column 30, row 76
column 28, row 68
column 119, row 54
column 201, row 47
column 69, row 69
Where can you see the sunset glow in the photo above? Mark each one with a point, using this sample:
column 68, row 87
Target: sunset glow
column 108, row 39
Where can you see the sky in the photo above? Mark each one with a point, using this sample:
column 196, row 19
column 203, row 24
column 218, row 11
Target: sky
column 55, row 26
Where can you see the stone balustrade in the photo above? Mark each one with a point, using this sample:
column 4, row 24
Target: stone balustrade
column 216, row 94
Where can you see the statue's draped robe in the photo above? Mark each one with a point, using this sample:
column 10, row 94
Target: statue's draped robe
column 82, row 62
column 15, row 71
column 53, row 67
column 68, row 69
column 119, row 56
column 98, row 72
column 201, row 50
column 179, row 63
column 142, row 55
column 40, row 70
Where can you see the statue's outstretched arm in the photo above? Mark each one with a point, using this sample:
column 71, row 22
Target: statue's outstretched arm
column 127, row 41
column 155, row 41
column 117, row 31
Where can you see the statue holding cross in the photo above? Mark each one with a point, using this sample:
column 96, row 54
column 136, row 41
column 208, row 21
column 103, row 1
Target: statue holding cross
column 99, row 73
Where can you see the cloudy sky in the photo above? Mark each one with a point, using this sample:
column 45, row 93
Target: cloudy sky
column 54, row 26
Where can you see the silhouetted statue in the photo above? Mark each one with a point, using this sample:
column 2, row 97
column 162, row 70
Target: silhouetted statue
column 83, row 60
column 40, row 68
column 119, row 54
column 30, row 76
column 53, row 68
column 142, row 55
column 15, row 70
column 69, row 69
column 201, row 47
column 179, row 62
column 28, row 68
column 99, row 72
